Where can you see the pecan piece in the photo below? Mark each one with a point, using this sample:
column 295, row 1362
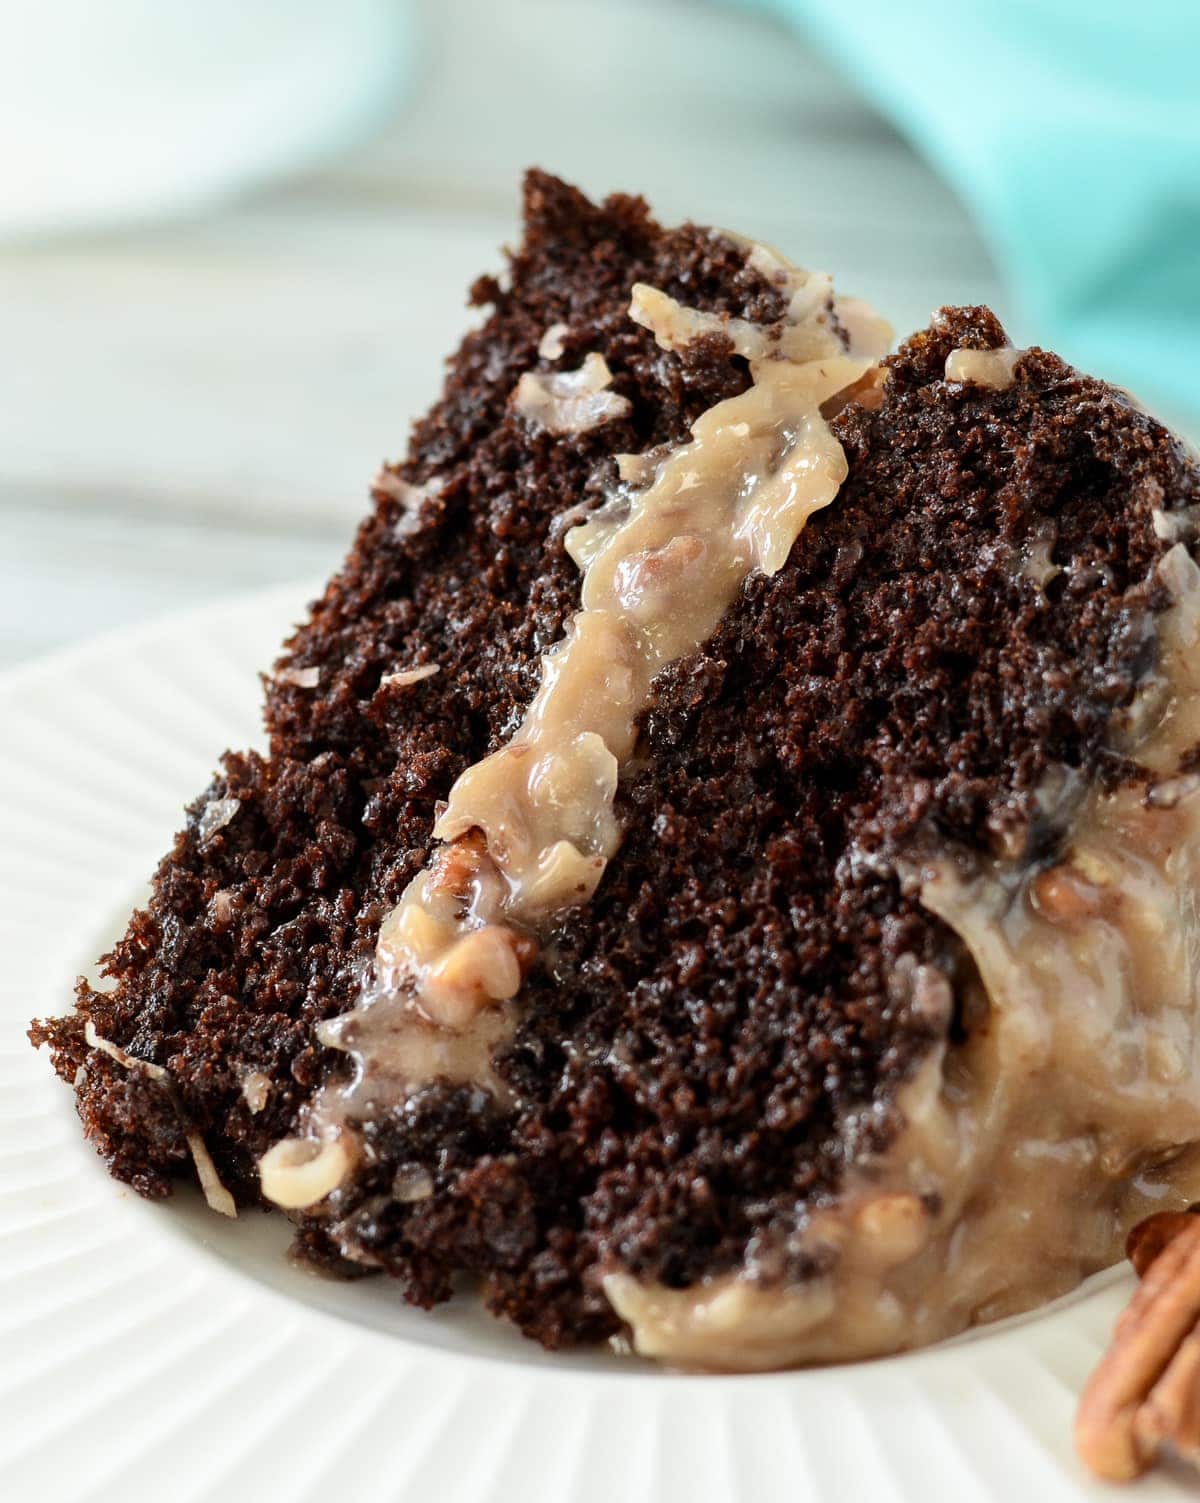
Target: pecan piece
column 454, row 867
column 1149, row 1237
column 1064, row 895
column 1145, row 1395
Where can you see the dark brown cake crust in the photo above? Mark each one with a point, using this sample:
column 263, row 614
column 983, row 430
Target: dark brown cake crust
column 705, row 1044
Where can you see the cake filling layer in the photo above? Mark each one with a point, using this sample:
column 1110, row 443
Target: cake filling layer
column 529, row 830
column 1071, row 1109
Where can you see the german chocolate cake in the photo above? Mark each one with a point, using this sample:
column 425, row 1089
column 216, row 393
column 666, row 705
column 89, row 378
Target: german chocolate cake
column 722, row 874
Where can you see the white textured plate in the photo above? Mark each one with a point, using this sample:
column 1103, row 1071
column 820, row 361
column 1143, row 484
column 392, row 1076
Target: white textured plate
column 156, row 1352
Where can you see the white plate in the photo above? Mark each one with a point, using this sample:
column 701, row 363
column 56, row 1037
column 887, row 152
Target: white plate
column 157, row 1352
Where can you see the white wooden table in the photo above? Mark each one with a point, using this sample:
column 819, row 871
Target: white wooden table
column 191, row 410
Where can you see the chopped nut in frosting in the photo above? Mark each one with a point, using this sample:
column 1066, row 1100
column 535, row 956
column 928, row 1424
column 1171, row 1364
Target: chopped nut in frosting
column 570, row 401
column 411, row 499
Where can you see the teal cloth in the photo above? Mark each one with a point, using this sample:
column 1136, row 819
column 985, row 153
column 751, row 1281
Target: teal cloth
column 1072, row 131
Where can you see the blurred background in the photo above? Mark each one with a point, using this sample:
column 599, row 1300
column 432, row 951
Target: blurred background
column 235, row 239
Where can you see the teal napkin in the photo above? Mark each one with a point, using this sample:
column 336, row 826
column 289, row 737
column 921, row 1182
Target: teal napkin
column 1072, row 131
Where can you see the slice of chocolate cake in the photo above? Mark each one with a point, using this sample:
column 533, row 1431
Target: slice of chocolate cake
column 722, row 871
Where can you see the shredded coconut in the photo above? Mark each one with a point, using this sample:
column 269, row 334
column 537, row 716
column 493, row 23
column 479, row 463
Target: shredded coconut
column 122, row 1056
column 551, row 344
column 218, row 1197
column 407, row 676
column 301, row 678
column 215, row 1193
column 298, row 1172
column 215, row 815
column 570, row 401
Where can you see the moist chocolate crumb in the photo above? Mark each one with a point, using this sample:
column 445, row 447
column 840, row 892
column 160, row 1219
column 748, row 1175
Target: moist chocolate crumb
column 699, row 1047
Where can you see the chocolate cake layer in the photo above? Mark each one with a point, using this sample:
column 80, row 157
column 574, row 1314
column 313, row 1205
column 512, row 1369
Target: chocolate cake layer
column 708, row 1048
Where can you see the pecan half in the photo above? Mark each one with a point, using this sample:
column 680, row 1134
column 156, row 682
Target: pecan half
column 1145, row 1395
